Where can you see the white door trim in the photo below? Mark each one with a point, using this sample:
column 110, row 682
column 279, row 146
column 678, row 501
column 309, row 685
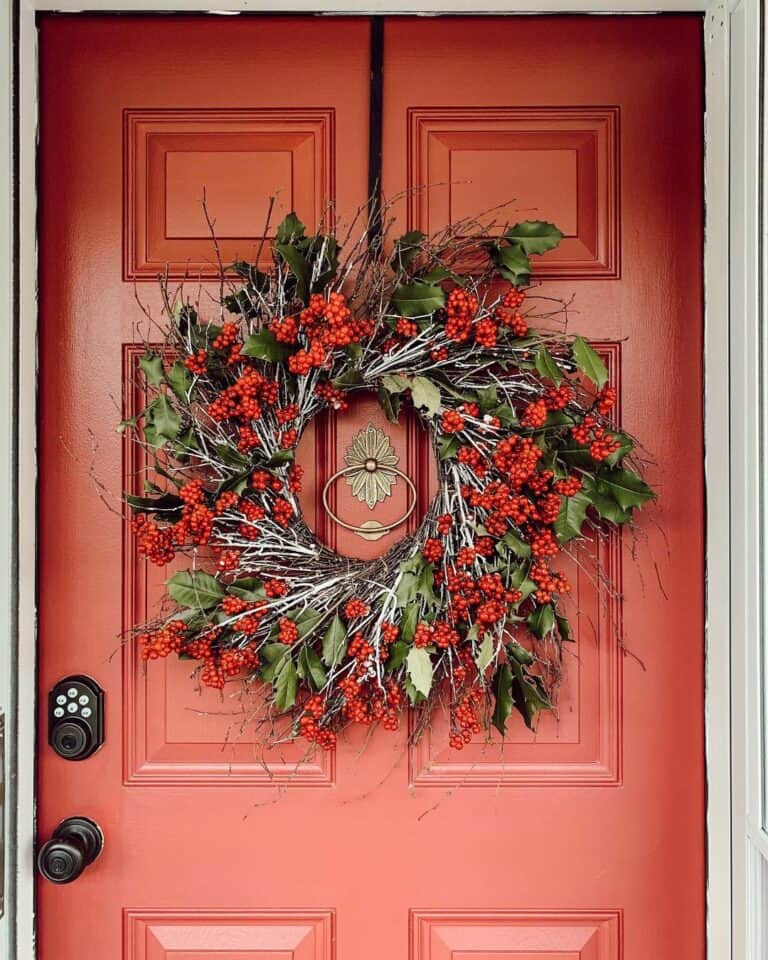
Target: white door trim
column 735, row 403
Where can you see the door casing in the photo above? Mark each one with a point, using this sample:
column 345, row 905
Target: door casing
column 735, row 401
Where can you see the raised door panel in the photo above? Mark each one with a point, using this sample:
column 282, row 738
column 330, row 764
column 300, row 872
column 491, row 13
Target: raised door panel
column 199, row 935
column 236, row 159
column 580, row 743
column 515, row 935
column 559, row 164
column 177, row 731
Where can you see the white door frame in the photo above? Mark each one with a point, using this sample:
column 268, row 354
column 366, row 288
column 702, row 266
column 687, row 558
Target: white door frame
column 735, row 405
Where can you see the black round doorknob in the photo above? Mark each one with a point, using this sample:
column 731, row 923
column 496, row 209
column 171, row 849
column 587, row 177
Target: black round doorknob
column 76, row 843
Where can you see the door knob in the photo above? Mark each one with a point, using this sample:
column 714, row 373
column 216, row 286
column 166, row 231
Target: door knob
column 76, row 843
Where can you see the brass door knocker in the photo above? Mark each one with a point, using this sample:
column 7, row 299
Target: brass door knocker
column 372, row 473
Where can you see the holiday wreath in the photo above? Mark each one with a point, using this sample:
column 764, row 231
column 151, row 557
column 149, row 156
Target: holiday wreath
column 469, row 609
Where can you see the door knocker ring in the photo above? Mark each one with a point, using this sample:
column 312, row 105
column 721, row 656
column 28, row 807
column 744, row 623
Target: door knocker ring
column 371, row 466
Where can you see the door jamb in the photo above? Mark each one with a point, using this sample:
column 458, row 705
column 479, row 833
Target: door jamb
column 735, row 399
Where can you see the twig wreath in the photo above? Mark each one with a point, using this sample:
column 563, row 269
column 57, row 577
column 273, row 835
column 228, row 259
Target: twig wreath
column 469, row 609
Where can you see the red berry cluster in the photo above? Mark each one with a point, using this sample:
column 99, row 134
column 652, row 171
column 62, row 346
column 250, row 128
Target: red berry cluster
column 452, row 422
column 464, row 721
column 333, row 396
column 460, row 309
column 322, row 327
column 288, row 632
column 355, row 608
column 601, row 443
column 406, row 328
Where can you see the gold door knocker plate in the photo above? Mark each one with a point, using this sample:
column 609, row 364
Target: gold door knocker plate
column 372, row 473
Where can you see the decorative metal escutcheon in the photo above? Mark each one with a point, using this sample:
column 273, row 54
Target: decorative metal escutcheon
column 371, row 471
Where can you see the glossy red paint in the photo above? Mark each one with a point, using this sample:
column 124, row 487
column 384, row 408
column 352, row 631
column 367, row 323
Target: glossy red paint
column 585, row 841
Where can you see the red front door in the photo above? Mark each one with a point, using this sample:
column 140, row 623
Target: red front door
column 583, row 841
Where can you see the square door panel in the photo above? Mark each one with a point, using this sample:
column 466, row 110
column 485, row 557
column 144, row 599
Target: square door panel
column 238, row 158
column 580, row 743
column 198, row 935
column 553, row 163
column 175, row 731
column 515, row 935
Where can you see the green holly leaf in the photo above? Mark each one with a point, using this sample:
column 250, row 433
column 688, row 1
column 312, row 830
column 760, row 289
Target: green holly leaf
column 426, row 395
column 275, row 656
column 438, row 273
column 520, row 581
column 167, row 506
column 542, row 620
column 519, row 547
column 329, row 262
column 419, row 668
column 426, row 584
column 448, row 446
column 415, row 697
column 335, row 642
column 279, row 458
column 151, row 365
column 264, row 345
column 518, row 653
column 291, row 228
column 180, row 380
column 576, row 455
column 511, row 262
column 506, row 415
column 350, row 378
column 195, row 588
column 390, row 403
column 486, row 652
column 488, row 398
column 529, row 693
column 626, row 446
column 626, row 488
column 564, row 628
column 284, row 685
column 307, row 621
column 231, row 456
column 417, row 299
column 547, row 365
column 407, row 248
column 186, row 444
column 299, row 267
column 162, row 422
column 502, row 688
column 605, row 505
column 534, row 236
column 397, row 654
column 395, row 383
column 248, row 588
column 407, row 587
column 409, row 623
column 127, row 424
column 310, row 668
column 570, row 519
column 589, row 362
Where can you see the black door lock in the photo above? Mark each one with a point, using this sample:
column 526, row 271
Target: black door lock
column 76, row 717
column 75, row 844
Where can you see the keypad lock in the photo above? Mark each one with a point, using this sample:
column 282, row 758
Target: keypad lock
column 76, row 717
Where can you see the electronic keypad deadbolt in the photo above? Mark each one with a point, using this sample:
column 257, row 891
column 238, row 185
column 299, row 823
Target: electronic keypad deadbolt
column 76, row 717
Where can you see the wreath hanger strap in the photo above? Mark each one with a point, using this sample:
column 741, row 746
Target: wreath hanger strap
column 384, row 527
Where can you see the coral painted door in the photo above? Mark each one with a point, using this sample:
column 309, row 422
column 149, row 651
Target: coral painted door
column 584, row 841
